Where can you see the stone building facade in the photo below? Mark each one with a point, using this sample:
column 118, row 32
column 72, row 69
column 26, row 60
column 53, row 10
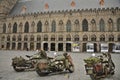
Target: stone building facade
column 61, row 30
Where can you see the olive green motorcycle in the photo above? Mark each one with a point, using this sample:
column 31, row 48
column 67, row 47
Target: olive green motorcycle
column 59, row 63
column 97, row 68
column 20, row 64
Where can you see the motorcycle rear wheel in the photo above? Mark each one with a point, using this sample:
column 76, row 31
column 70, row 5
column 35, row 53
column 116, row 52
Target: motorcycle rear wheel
column 40, row 73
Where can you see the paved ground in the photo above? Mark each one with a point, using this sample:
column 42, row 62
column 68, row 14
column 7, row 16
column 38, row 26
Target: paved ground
column 7, row 72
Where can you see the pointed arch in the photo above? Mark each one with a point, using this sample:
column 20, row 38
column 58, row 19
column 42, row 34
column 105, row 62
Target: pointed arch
column 102, row 37
column 26, row 28
column 8, row 38
column 111, row 37
column 93, row 37
column 118, row 24
column 101, row 25
column 60, row 37
column 68, row 37
column 14, row 38
column 53, row 29
column 4, row 28
column 45, row 37
column 118, row 37
column 15, row 28
column 38, row 38
column 52, row 37
column 19, row 38
column 32, row 38
column 68, row 26
column 39, row 26
column 76, row 37
column 84, row 25
column 25, row 38
column 85, row 38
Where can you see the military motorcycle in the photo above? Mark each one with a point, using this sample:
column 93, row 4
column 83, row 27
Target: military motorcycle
column 59, row 63
column 96, row 68
column 21, row 64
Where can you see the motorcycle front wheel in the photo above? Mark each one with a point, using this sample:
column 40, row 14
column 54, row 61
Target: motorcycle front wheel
column 71, row 69
column 93, row 77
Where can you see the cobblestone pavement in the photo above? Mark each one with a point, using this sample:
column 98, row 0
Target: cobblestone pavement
column 7, row 72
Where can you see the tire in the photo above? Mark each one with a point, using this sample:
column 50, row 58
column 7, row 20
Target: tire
column 18, row 70
column 71, row 69
column 40, row 73
column 93, row 77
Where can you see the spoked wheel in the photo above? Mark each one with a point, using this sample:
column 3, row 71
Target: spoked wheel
column 93, row 77
column 17, row 69
column 41, row 72
column 71, row 68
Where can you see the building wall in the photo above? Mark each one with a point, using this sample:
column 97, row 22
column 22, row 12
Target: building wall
column 61, row 18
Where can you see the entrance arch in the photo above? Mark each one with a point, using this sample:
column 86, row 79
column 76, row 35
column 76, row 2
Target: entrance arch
column 95, row 47
column 110, row 47
column 8, row 46
column 19, row 46
column 60, row 46
column 84, row 47
column 68, row 47
column 25, row 46
column 45, row 46
column 52, row 47
column 31, row 46
column 13, row 46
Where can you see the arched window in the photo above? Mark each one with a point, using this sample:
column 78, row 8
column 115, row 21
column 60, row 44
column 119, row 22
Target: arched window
column 60, row 38
column 77, row 28
column 53, row 29
column 26, row 28
column 45, row 37
column 93, row 24
column 68, row 37
column 8, row 38
column 110, row 25
column 76, row 38
column 25, row 38
column 4, row 28
column 118, row 24
column 102, row 25
column 68, row 26
column 119, row 37
column 111, row 38
column 102, row 37
column 85, row 38
column 19, row 38
column 93, row 38
column 39, row 27
column 85, row 25
column 53, row 38
column 14, row 38
column 31, row 38
column 15, row 28
column 3, row 38
column 38, row 38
